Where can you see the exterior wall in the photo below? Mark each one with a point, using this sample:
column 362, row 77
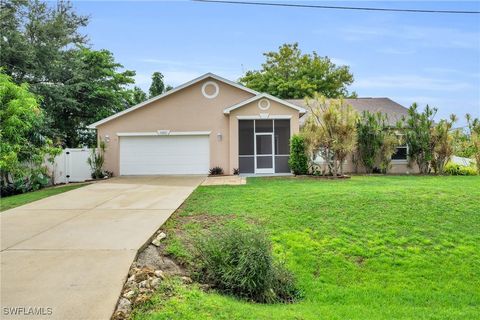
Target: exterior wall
column 252, row 110
column 185, row 110
column 398, row 167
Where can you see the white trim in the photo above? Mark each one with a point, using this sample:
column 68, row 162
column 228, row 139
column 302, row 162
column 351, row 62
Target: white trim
column 259, row 104
column 262, row 96
column 213, row 95
column 170, row 133
column 274, row 117
column 163, row 95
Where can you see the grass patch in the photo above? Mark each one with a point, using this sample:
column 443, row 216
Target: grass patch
column 398, row 247
column 24, row 198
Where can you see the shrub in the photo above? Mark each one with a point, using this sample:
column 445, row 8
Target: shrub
column 454, row 169
column 298, row 161
column 215, row 171
column 96, row 160
column 236, row 171
column 239, row 261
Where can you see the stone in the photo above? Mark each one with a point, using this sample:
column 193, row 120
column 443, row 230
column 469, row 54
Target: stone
column 187, row 280
column 159, row 274
column 133, row 271
column 124, row 305
column 142, row 298
column 129, row 294
column 144, row 284
column 119, row 315
column 156, row 242
column 154, row 283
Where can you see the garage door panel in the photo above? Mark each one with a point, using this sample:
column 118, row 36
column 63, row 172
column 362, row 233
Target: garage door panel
column 164, row 155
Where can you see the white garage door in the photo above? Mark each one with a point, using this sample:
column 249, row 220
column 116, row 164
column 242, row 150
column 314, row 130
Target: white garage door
column 148, row 155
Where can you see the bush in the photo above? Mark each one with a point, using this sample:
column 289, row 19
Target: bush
column 215, row 171
column 236, row 171
column 298, row 161
column 239, row 261
column 454, row 169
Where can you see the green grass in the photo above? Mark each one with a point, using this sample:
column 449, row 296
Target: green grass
column 394, row 247
column 21, row 199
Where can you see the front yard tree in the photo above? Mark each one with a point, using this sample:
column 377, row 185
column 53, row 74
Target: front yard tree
column 22, row 146
column 376, row 141
column 331, row 130
column 289, row 74
column 474, row 134
column 442, row 141
column 370, row 132
column 418, row 129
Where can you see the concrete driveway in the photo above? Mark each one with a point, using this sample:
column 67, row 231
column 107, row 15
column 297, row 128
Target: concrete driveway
column 67, row 256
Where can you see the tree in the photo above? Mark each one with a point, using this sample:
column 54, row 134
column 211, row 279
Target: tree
column 442, row 141
column 474, row 134
column 42, row 46
column 23, row 148
column 418, row 129
column 376, row 141
column 37, row 39
column 136, row 96
column 289, row 74
column 330, row 130
column 387, row 149
column 370, row 134
column 157, row 87
column 91, row 88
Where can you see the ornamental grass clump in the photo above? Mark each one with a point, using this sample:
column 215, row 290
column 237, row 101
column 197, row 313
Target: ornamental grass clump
column 239, row 262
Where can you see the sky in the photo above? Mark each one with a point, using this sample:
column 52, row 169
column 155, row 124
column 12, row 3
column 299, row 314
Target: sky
column 425, row 58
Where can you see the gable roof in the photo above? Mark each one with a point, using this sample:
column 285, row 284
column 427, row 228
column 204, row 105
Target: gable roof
column 163, row 95
column 392, row 109
column 268, row 96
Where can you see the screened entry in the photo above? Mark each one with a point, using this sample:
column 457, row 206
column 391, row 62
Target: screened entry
column 264, row 146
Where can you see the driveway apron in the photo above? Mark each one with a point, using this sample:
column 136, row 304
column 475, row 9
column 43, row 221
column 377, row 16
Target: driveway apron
column 67, row 256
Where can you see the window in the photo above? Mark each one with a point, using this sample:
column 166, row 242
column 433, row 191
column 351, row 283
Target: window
column 401, row 152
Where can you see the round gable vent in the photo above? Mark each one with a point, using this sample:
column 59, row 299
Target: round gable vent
column 210, row 89
column 264, row 104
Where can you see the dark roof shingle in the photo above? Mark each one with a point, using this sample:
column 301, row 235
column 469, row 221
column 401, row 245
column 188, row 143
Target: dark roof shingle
column 392, row 109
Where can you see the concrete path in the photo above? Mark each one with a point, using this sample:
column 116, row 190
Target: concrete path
column 67, row 256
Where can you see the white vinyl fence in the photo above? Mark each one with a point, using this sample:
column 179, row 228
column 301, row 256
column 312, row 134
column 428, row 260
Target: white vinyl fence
column 71, row 166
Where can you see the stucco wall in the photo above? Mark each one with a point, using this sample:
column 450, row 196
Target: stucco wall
column 398, row 167
column 185, row 110
column 252, row 110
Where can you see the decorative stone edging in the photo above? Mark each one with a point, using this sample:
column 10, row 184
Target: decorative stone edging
column 148, row 270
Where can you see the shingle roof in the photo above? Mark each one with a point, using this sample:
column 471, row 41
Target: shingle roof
column 392, row 109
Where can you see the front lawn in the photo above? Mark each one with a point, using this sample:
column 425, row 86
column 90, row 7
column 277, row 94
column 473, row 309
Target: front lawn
column 21, row 199
column 365, row 248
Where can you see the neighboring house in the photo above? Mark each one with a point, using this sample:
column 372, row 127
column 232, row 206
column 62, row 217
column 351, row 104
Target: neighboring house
column 207, row 122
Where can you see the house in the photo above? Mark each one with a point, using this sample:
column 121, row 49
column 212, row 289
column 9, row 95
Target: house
column 207, row 122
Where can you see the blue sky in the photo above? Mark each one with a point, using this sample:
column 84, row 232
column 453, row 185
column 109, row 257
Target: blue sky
column 427, row 58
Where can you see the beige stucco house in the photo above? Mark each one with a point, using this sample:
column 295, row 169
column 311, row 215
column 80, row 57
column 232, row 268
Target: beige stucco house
column 207, row 122
column 211, row 121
